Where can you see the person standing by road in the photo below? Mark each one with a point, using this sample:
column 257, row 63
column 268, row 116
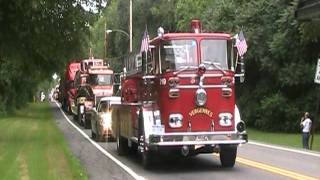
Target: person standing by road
column 305, row 124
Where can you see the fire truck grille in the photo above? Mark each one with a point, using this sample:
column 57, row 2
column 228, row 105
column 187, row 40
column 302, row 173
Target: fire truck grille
column 172, row 138
column 169, row 140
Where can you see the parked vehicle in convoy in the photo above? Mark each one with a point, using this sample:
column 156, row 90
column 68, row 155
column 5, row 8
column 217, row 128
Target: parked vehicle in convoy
column 67, row 91
column 180, row 97
column 93, row 81
column 102, row 128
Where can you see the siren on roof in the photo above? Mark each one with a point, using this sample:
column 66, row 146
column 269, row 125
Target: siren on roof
column 196, row 26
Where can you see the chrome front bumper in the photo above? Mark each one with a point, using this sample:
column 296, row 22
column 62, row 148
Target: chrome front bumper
column 198, row 138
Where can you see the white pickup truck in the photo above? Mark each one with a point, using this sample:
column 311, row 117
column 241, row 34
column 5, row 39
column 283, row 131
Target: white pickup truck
column 101, row 122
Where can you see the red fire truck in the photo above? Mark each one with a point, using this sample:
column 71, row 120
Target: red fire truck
column 180, row 97
column 93, row 82
column 67, row 91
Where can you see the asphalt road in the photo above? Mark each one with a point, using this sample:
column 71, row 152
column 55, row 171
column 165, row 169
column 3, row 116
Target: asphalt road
column 254, row 160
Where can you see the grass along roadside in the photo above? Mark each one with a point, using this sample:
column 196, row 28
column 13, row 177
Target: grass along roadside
column 32, row 147
column 284, row 139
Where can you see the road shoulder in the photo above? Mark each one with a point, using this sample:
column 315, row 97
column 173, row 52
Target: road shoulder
column 96, row 164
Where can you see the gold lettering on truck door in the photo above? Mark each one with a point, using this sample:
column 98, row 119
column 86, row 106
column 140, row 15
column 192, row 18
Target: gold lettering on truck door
column 201, row 110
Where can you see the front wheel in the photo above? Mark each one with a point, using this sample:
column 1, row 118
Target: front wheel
column 122, row 146
column 122, row 143
column 228, row 154
column 93, row 135
column 87, row 122
column 69, row 110
column 147, row 159
column 100, row 137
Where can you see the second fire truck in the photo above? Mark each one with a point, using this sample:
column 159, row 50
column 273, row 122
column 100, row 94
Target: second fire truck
column 93, row 81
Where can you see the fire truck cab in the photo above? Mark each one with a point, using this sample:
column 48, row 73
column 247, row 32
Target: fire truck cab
column 67, row 91
column 180, row 96
column 93, row 81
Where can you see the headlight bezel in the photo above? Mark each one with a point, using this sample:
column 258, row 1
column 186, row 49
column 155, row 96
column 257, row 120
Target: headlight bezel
column 225, row 119
column 175, row 120
column 201, row 97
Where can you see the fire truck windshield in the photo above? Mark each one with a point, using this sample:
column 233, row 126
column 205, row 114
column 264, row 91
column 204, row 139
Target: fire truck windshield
column 177, row 54
column 100, row 79
column 214, row 53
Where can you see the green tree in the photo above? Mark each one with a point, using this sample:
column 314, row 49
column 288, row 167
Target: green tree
column 36, row 39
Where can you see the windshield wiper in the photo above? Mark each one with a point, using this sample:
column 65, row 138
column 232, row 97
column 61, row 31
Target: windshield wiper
column 215, row 64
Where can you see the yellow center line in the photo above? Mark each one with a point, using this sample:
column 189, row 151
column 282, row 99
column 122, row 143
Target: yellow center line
column 275, row 170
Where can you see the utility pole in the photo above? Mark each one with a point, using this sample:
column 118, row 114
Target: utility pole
column 90, row 53
column 130, row 26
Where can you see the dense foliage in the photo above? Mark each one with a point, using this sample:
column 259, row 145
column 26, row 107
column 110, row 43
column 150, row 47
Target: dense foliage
column 37, row 38
column 280, row 62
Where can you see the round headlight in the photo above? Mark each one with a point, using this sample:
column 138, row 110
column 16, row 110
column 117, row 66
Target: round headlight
column 201, row 97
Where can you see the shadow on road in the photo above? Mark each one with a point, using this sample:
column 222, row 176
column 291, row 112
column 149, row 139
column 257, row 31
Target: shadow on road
column 178, row 164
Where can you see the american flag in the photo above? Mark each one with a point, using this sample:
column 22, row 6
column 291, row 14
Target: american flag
column 145, row 41
column 241, row 44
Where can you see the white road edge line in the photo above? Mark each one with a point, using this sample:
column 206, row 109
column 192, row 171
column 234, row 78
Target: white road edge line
column 284, row 149
column 106, row 153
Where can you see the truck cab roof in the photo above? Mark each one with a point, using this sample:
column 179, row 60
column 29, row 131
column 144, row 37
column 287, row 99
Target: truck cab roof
column 170, row 36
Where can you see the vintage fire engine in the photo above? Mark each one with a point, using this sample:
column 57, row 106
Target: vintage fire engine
column 93, row 82
column 67, row 90
column 180, row 97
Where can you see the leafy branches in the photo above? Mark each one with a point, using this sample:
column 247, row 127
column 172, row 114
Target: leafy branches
column 36, row 39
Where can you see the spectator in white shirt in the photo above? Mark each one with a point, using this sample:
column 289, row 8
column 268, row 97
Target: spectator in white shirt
column 305, row 124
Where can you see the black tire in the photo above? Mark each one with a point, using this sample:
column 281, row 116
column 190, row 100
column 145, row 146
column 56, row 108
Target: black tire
column 63, row 105
column 69, row 109
column 78, row 115
column 75, row 118
column 101, row 138
column 228, row 154
column 111, row 139
column 122, row 146
column 98, row 138
column 147, row 159
column 122, row 143
column 87, row 122
column 93, row 135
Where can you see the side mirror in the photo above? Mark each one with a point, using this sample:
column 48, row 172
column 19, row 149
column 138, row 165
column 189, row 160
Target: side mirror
column 240, row 70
